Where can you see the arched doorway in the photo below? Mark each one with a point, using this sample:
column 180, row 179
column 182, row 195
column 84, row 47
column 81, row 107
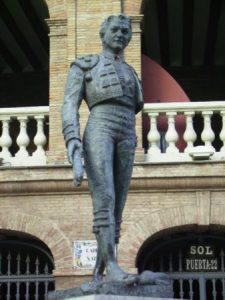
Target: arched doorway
column 194, row 262
column 26, row 266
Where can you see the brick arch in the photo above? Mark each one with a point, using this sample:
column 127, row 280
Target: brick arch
column 134, row 236
column 43, row 229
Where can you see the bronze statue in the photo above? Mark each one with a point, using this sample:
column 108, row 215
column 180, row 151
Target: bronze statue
column 113, row 94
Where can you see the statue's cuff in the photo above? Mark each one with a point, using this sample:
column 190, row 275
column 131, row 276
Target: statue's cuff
column 70, row 133
column 72, row 139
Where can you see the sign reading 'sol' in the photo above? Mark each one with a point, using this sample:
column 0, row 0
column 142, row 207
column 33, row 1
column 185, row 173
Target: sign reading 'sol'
column 201, row 258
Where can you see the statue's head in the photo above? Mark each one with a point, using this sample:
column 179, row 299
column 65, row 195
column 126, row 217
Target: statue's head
column 116, row 32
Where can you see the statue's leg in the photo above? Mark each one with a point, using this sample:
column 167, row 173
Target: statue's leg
column 98, row 155
column 99, row 265
column 99, row 170
column 123, row 170
column 113, row 271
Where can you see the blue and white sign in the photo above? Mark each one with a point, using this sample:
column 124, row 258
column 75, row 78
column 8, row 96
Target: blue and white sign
column 84, row 254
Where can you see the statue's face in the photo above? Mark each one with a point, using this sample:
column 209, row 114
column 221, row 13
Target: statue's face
column 117, row 35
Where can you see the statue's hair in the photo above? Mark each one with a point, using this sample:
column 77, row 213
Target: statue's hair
column 109, row 19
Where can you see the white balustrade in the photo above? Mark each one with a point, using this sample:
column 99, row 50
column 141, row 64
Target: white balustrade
column 222, row 133
column 153, row 135
column 171, row 134
column 5, row 140
column 23, row 145
column 202, row 143
column 189, row 135
column 207, row 135
column 22, row 136
column 40, row 138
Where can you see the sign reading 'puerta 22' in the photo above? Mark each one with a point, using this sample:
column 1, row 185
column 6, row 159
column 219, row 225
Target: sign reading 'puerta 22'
column 201, row 258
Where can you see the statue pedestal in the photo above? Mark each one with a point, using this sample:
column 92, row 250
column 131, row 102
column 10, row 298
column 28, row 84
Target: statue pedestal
column 112, row 297
column 112, row 291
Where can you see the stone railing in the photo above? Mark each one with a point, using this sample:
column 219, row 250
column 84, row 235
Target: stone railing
column 23, row 135
column 185, row 131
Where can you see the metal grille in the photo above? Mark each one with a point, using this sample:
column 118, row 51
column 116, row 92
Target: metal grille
column 196, row 285
column 25, row 272
column 170, row 257
column 193, row 285
column 199, row 286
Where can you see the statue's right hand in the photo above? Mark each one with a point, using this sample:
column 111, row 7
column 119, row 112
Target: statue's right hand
column 74, row 150
column 72, row 147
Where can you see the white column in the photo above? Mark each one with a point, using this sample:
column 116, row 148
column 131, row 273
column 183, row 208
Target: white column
column 222, row 133
column 23, row 138
column 207, row 135
column 40, row 138
column 153, row 135
column 171, row 135
column 5, row 140
column 189, row 134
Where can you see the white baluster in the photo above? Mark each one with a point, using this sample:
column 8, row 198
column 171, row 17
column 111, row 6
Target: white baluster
column 153, row 135
column 5, row 140
column 40, row 138
column 171, row 135
column 190, row 135
column 222, row 133
column 23, row 138
column 207, row 135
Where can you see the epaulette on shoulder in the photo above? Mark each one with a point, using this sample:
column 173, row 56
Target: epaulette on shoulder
column 86, row 62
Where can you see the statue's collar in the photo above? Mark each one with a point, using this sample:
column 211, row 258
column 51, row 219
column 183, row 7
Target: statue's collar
column 112, row 56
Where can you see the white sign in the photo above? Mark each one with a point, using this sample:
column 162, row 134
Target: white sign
column 84, row 254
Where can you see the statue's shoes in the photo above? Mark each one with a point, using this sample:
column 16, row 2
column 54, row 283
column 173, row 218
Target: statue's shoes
column 97, row 278
column 148, row 277
column 125, row 278
column 90, row 286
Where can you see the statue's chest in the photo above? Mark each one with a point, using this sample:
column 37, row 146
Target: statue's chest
column 124, row 73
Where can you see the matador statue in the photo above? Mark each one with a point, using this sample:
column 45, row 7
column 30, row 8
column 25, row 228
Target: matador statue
column 113, row 95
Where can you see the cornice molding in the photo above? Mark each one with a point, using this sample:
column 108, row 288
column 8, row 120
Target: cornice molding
column 59, row 180
column 58, row 27
column 136, row 21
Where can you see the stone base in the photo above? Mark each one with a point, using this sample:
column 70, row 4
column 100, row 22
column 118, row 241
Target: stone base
column 114, row 290
column 110, row 297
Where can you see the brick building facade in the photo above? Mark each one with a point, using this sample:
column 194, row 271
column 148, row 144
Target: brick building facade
column 165, row 200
